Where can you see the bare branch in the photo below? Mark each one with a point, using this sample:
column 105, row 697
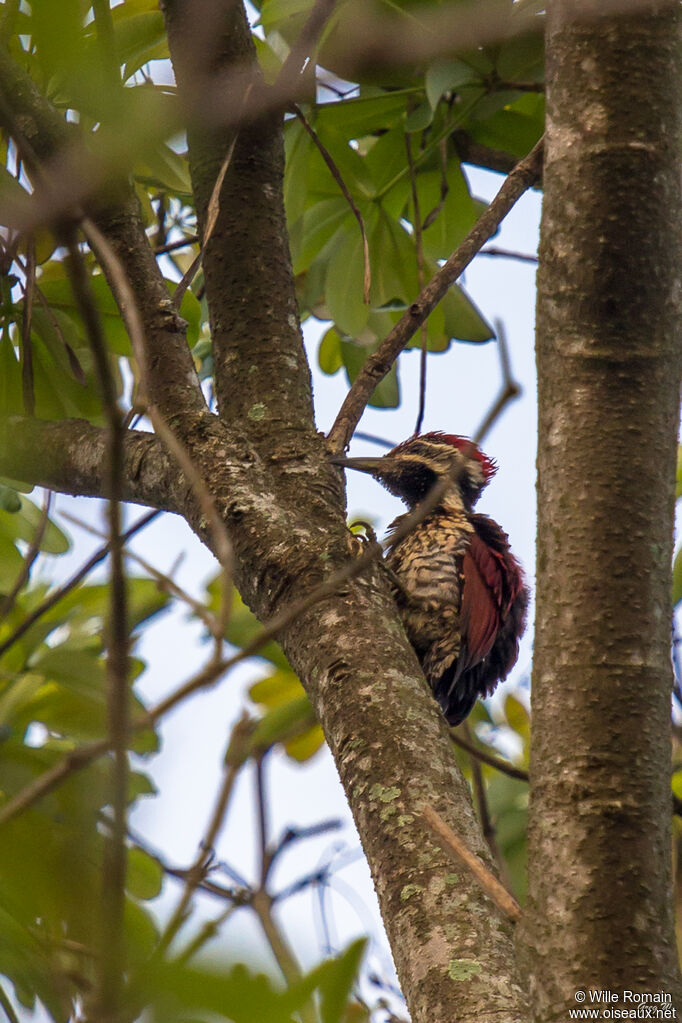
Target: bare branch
column 450, row 841
column 488, row 758
column 114, row 865
column 418, row 228
column 234, row 763
column 379, row 363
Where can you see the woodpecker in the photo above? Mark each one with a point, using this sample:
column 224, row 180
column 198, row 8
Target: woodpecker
column 459, row 589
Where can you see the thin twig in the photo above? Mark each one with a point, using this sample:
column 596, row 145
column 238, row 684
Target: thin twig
column 510, row 389
column 303, row 48
column 127, row 303
column 114, row 866
column 165, row 581
column 262, row 818
column 71, row 583
column 495, row 250
column 373, row 439
column 26, row 340
column 379, row 362
column 488, row 758
column 503, row 899
column 336, row 174
column 181, row 243
column 29, row 559
column 196, row 872
column 481, row 798
column 417, row 224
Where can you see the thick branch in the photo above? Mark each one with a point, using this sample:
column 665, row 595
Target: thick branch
column 261, row 374
column 69, row 456
column 608, row 341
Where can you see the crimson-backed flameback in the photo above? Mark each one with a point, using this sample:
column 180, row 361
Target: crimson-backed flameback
column 459, row 589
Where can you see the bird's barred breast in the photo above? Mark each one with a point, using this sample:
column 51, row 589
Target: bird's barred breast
column 428, row 561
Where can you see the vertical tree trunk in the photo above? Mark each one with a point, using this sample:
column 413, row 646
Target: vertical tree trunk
column 599, row 913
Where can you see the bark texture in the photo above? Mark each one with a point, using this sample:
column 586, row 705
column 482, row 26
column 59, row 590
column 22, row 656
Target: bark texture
column 453, row 951
column 608, row 353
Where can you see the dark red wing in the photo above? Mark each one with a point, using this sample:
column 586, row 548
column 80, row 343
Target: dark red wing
column 492, row 619
column 483, row 599
column 492, row 582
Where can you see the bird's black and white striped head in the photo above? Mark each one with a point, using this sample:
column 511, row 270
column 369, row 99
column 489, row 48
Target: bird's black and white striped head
column 412, row 468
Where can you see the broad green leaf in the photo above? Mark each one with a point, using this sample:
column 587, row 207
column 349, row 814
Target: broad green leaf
column 277, row 689
column 243, row 626
column 463, row 320
column 11, row 401
column 315, row 229
column 394, row 263
column 303, row 747
column 515, row 129
column 420, row 118
column 11, row 562
column 451, row 217
column 282, row 723
column 22, row 525
column 279, row 14
column 521, row 58
column 166, row 169
column 344, row 280
column 363, row 115
column 329, row 353
column 446, row 76
column 387, row 393
column 677, row 577
column 145, row 875
column 338, row 980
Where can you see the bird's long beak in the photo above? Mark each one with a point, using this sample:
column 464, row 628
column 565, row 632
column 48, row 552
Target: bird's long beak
column 371, row 465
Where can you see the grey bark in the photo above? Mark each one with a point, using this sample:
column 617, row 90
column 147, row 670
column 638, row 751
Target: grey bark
column 608, row 353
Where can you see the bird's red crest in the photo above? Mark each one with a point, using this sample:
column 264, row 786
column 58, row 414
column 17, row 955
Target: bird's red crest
column 487, row 464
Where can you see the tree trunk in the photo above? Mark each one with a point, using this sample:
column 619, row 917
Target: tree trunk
column 599, row 912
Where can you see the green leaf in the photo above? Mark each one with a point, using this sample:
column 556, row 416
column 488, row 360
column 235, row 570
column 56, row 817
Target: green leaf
column 314, row 230
column 303, row 747
column 363, row 115
column 329, row 352
column 515, row 129
column 677, row 577
column 450, row 218
column 23, row 523
column 387, row 393
column 145, row 875
column 394, row 263
column 338, row 980
column 419, row 118
column 277, row 689
column 10, row 500
column 243, row 626
column 282, row 723
column 462, row 319
column 11, row 401
column 678, row 477
column 446, row 76
column 344, row 281
column 11, row 562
